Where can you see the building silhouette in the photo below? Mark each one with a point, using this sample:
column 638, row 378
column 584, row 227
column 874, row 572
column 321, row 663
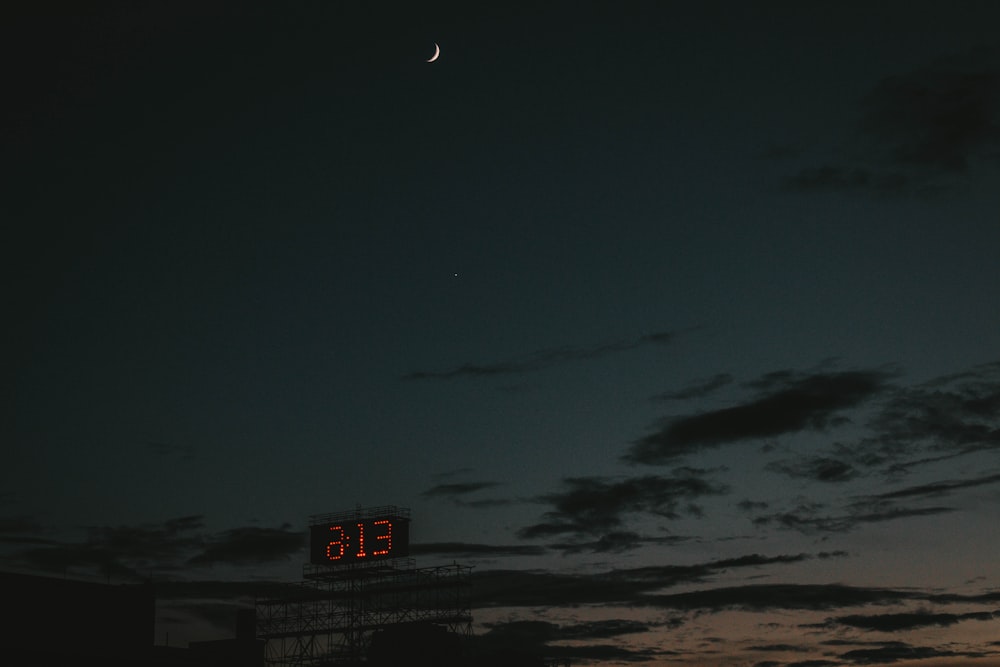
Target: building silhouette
column 50, row 622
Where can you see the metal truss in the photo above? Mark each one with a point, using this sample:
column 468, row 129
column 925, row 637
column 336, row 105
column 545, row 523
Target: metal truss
column 361, row 513
column 329, row 618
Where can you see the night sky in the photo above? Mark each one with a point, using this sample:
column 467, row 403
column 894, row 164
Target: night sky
column 680, row 322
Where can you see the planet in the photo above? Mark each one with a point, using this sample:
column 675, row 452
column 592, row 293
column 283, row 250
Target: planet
column 437, row 52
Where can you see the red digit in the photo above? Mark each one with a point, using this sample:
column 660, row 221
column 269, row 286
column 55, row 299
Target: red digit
column 387, row 537
column 335, row 548
column 361, row 540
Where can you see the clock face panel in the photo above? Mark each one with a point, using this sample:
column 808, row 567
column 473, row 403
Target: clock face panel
column 359, row 540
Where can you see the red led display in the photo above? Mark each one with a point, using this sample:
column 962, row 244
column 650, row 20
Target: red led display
column 358, row 540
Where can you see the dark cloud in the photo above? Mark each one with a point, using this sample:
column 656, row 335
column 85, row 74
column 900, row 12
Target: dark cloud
column 251, row 546
column 896, row 651
column 484, row 503
column 939, row 488
column 122, row 551
column 634, row 586
column 144, row 540
column 637, row 587
column 698, row 389
column 981, row 598
column 942, row 418
column 457, row 489
column 602, row 629
column 797, row 663
column 808, row 520
column 542, row 359
column 940, row 116
column 591, row 506
column 779, row 596
column 658, row 576
column 517, row 588
column 958, row 413
column 811, row 402
column 133, row 552
column 915, row 129
column 775, row 647
column 615, row 542
column 755, row 560
column 818, row 468
column 456, row 549
column 748, row 505
column 909, row 621
column 934, row 421
column 536, row 638
column 457, row 493
column 543, row 632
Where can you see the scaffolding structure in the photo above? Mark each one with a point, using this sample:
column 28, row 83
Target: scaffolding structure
column 329, row 618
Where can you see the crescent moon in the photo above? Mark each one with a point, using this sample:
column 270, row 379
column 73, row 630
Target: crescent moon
column 437, row 52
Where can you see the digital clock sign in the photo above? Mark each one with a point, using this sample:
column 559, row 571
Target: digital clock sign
column 358, row 539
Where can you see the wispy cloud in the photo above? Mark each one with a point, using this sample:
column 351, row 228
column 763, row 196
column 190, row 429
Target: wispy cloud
column 131, row 552
column 699, row 389
column 533, row 639
column 896, row 651
column 935, row 489
column 641, row 586
column 816, row 468
column 810, row 402
column 780, row 596
column 909, row 620
column 124, row 551
column 251, row 546
column 595, row 506
column 918, row 129
column 458, row 493
column 454, row 489
column 474, row 550
column 542, row 359
column 808, row 519
column 955, row 413
column 941, row 115
column 943, row 418
column 615, row 542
